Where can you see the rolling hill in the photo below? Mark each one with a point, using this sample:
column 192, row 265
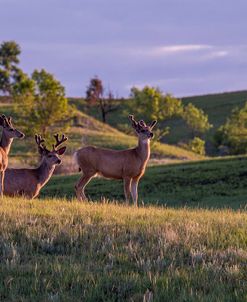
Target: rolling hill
column 217, row 106
column 89, row 131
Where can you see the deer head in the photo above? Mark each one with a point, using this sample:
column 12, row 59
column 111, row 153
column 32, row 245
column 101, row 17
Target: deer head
column 51, row 156
column 9, row 130
column 143, row 131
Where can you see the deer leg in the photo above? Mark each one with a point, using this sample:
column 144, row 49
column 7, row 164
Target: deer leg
column 127, row 184
column 1, row 183
column 80, row 186
column 134, row 190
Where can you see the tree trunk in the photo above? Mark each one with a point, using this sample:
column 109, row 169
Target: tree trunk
column 103, row 113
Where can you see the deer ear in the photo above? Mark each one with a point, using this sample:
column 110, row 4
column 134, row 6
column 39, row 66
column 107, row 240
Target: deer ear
column 153, row 124
column 61, row 150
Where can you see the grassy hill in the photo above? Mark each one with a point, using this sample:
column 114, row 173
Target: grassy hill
column 92, row 131
column 218, row 107
column 215, row 183
column 59, row 251
column 89, row 131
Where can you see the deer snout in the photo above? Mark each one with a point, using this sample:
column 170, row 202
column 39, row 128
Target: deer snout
column 22, row 135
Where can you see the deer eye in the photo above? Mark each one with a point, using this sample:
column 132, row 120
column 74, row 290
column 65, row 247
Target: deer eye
column 50, row 155
column 143, row 131
column 11, row 129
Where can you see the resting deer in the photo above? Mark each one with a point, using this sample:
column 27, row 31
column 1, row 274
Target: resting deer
column 28, row 182
column 128, row 165
column 8, row 134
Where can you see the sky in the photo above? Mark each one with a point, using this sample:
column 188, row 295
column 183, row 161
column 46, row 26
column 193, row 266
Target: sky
column 184, row 47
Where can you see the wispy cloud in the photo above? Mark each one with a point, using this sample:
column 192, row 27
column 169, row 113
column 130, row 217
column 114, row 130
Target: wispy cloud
column 171, row 49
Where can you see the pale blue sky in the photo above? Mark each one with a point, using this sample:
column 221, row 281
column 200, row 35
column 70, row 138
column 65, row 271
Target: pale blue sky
column 185, row 47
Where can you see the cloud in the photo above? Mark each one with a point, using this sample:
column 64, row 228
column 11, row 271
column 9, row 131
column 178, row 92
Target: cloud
column 173, row 49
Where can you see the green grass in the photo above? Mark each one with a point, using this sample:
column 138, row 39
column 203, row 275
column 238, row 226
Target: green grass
column 59, row 251
column 215, row 183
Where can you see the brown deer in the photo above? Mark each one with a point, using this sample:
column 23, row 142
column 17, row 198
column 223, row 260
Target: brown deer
column 28, row 182
column 128, row 165
column 8, row 134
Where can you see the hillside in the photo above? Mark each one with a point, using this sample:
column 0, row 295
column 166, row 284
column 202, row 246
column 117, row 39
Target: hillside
column 218, row 107
column 88, row 130
column 59, row 251
column 217, row 183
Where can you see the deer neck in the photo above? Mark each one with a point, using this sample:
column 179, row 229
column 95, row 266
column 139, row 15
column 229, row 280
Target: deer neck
column 44, row 172
column 143, row 149
column 6, row 143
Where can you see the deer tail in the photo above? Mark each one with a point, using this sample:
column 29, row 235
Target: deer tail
column 75, row 157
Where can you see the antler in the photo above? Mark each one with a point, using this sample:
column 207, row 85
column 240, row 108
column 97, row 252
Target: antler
column 7, row 121
column 59, row 141
column 39, row 140
column 134, row 122
column 131, row 117
column 142, row 123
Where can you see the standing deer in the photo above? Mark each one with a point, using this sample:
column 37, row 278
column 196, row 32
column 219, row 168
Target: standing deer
column 8, row 134
column 128, row 165
column 28, row 182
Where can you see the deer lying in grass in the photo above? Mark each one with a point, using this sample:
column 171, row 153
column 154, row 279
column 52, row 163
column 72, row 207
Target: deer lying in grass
column 8, row 134
column 28, row 182
column 128, row 165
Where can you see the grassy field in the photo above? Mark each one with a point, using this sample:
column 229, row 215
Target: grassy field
column 215, row 183
column 59, row 251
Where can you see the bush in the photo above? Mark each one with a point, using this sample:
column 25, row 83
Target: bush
column 233, row 133
column 197, row 145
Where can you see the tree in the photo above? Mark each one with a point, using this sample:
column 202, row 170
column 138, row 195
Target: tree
column 95, row 96
column 196, row 119
column 233, row 133
column 41, row 103
column 9, row 70
column 150, row 103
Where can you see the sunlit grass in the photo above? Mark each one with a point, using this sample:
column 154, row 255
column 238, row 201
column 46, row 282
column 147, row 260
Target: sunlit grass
column 54, row 250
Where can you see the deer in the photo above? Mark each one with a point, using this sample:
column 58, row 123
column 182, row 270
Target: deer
column 28, row 182
column 8, row 134
column 128, row 165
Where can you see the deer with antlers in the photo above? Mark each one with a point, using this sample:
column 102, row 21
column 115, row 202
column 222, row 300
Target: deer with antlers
column 128, row 165
column 28, row 182
column 8, row 134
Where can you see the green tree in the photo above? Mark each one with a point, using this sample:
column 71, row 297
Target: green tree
column 233, row 133
column 196, row 119
column 151, row 104
column 41, row 103
column 95, row 96
column 9, row 70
